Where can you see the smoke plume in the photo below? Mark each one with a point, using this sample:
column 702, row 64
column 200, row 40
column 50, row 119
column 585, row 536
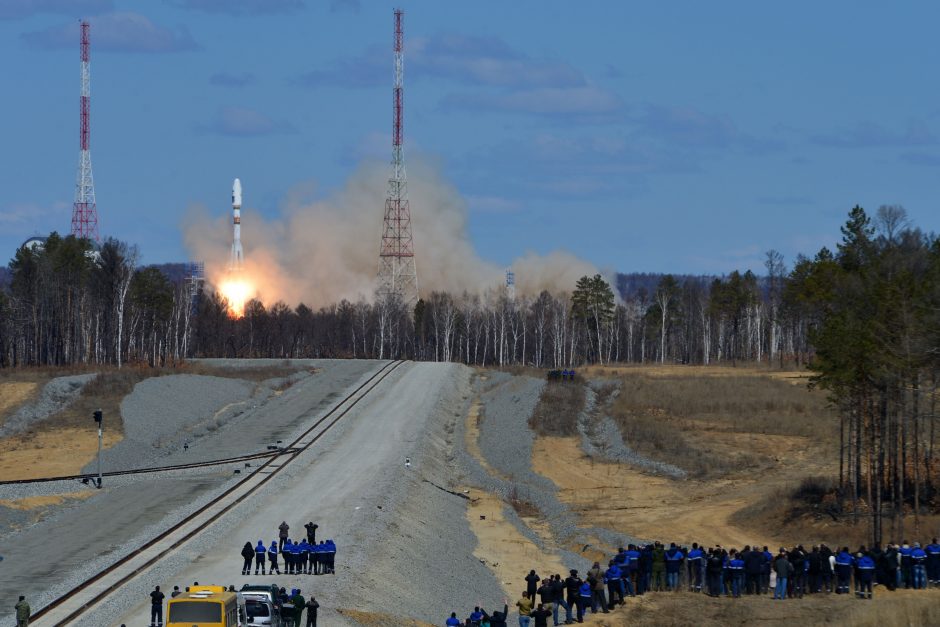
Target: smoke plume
column 322, row 252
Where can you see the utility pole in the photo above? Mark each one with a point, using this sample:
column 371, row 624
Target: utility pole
column 98, row 419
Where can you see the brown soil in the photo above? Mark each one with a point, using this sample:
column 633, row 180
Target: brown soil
column 51, row 453
column 41, row 502
column 624, row 499
column 13, row 394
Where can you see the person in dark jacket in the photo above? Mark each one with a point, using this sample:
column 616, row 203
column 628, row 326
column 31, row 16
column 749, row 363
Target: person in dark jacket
column 545, row 592
column 531, row 583
column 558, row 600
column 890, row 558
column 753, row 561
column 783, row 568
column 156, row 607
column 713, row 571
column 572, row 587
column 283, row 532
column 497, row 618
column 312, row 607
column 540, row 616
column 248, row 554
column 23, row 612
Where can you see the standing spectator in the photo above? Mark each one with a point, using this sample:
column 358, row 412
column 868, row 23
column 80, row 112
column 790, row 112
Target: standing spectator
column 22, row 612
column 572, row 588
column 907, row 576
column 866, row 571
column 272, row 558
column 783, row 568
column 260, row 553
column 713, row 573
column 156, row 607
column 694, row 562
column 176, row 592
column 531, row 583
column 844, row 561
column 545, row 592
column 558, row 600
column 736, row 566
column 765, row 570
column 525, row 608
column 674, row 557
column 476, row 617
column 312, row 607
column 933, row 562
column 890, row 559
column 540, row 614
column 659, row 567
column 612, row 577
column 311, row 532
column 248, row 554
column 826, row 563
column 497, row 618
column 283, row 532
column 453, row 621
column 299, row 604
column 918, row 568
column 585, row 595
column 596, row 579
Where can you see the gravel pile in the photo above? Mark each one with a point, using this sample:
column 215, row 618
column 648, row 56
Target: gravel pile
column 56, row 395
column 602, row 438
column 164, row 412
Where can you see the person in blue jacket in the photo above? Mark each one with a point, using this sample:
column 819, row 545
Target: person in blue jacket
column 272, row 558
column 453, row 621
column 612, row 579
column 476, row 617
column 918, row 567
column 331, row 556
column 260, row 553
column 866, row 572
column 694, row 561
column 584, row 600
column 736, row 566
column 674, row 557
column 933, row 562
column 304, row 556
column 844, row 562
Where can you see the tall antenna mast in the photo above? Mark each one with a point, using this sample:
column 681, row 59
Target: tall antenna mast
column 85, row 211
column 397, row 273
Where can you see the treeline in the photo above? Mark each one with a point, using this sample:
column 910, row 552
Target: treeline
column 69, row 303
column 873, row 310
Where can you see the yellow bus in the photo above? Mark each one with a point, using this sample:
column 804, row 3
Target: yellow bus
column 205, row 606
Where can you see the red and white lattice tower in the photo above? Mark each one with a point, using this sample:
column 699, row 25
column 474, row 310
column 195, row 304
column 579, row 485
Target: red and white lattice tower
column 84, row 211
column 397, row 274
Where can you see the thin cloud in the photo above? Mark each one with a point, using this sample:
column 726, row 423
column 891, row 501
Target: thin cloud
column 551, row 101
column 874, row 135
column 225, row 79
column 244, row 122
column 921, row 158
column 466, row 59
column 117, row 32
column 241, row 7
column 19, row 9
column 689, row 127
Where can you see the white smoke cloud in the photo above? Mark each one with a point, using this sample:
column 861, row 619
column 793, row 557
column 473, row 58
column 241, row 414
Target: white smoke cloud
column 322, row 252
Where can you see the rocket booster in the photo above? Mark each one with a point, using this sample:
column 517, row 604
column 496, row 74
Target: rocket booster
column 238, row 256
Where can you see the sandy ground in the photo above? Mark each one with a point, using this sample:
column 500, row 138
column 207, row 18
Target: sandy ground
column 51, row 453
column 623, row 499
column 40, row 502
column 13, row 394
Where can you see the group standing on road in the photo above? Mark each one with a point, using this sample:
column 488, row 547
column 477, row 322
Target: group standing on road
column 300, row 558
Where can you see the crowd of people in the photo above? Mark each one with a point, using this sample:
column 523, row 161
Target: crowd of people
column 716, row 571
column 300, row 558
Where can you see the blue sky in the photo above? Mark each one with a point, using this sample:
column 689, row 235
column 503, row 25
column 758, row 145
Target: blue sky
column 681, row 137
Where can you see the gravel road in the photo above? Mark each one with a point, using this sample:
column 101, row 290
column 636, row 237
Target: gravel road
column 405, row 547
column 55, row 396
column 67, row 544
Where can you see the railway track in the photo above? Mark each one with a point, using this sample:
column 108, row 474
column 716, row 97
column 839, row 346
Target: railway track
column 138, row 471
column 69, row 607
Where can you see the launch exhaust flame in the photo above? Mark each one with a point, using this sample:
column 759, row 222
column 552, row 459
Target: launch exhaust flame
column 321, row 252
column 237, row 292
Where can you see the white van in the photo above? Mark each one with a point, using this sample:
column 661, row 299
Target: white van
column 260, row 609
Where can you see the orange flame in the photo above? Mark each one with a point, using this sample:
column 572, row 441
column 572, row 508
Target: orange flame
column 236, row 291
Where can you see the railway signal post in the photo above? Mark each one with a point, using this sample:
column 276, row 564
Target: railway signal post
column 100, row 421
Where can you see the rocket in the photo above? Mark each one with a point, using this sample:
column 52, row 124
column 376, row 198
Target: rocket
column 238, row 256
